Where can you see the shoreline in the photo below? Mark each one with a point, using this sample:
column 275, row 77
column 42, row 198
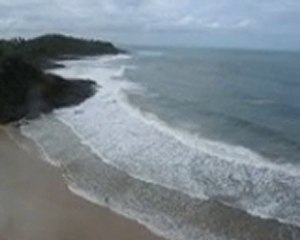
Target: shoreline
column 37, row 204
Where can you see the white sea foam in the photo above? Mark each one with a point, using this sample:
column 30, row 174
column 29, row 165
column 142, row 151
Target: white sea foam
column 89, row 177
column 153, row 223
column 149, row 150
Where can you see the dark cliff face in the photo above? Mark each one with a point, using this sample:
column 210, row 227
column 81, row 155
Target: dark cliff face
column 26, row 91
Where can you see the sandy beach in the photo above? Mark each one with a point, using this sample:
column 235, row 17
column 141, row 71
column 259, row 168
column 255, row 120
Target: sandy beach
column 36, row 204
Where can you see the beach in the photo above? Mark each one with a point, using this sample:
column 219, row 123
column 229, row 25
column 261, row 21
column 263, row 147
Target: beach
column 35, row 202
column 188, row 161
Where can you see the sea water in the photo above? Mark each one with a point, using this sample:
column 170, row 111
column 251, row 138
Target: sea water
column 192, row 143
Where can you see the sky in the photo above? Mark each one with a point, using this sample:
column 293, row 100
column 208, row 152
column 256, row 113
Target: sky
column 209, row 23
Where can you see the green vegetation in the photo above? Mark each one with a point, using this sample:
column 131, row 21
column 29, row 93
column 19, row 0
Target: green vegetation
column 26, row 90
column 54, row 46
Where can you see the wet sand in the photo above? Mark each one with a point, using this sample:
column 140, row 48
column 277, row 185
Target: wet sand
column 36, row 204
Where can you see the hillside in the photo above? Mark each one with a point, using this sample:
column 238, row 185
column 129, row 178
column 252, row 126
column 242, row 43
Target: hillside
column 41, row 50
column 26, row 90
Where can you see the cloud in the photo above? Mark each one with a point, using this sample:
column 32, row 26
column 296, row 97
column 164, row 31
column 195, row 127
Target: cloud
column 86, row 17
column 191, row 23
column 245, row 24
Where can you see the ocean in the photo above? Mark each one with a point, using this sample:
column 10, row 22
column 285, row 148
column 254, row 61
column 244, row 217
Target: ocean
column 193, row 143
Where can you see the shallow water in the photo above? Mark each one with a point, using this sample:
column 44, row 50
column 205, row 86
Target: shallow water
column 174, row 139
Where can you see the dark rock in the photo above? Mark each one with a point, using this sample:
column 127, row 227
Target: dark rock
column 26, row 91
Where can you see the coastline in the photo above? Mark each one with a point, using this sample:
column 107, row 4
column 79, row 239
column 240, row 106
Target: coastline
column 36, row 203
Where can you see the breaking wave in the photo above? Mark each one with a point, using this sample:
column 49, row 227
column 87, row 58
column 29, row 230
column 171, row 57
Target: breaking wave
column 150, row 151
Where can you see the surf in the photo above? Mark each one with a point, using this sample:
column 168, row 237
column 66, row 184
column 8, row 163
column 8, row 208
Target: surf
column 142, row 145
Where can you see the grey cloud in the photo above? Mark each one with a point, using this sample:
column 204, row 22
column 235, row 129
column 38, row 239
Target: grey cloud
column 86, row 17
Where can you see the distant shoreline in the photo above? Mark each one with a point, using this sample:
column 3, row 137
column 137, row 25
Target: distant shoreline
column 35, row 200
column 27, row 91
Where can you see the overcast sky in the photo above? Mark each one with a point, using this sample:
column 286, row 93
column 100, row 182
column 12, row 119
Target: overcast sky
column 229, row 23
